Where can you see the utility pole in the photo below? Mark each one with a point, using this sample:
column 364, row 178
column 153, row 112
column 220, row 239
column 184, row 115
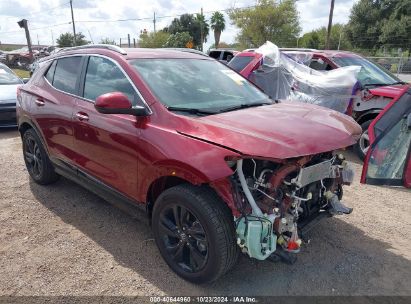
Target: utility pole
column 201, row 30
column 154, row 22
column 330, row 24
column 128, row 38
column 339, row 40
column 72, row 21
column 52, row 37
column 23, row 24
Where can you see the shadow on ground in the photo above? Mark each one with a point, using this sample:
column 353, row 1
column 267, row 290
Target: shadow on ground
column 340, row 258
column 6, row 133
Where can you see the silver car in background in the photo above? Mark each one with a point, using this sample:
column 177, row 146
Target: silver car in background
column 8, row 92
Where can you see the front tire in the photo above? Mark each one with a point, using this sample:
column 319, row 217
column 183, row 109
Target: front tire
column 194, row 231
column 363, row 144
column 37, row 161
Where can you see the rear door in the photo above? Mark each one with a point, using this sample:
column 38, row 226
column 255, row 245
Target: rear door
column 53, row 100
column 105, row 143
column 388, row 160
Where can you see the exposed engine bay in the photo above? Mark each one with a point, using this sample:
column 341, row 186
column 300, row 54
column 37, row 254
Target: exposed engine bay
column 278, row 200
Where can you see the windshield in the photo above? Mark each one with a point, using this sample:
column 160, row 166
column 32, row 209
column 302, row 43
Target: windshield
column 8, row 77
column 197, row 84
column 238, row 63
column 370, row 73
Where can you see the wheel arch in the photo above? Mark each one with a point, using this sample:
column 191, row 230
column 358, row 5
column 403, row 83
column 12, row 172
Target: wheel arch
column 369, row 115
column 26, row 124
column 158, row 186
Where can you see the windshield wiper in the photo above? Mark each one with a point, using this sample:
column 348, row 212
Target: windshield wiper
column 191, row 110
column 245, row 106
column 383, row 84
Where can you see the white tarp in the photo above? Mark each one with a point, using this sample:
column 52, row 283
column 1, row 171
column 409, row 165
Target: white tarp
column 284, row 78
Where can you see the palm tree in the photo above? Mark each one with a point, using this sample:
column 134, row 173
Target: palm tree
column 218, row 25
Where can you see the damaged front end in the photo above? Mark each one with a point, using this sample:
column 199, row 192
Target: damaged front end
column 277, row 202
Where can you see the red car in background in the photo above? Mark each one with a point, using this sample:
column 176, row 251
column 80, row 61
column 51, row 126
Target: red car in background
column 378, row 87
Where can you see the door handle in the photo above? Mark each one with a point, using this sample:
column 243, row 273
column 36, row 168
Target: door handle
column 82, row 116
column 39, row 102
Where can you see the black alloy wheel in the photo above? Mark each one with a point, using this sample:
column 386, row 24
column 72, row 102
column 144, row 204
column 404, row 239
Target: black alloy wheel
column 37, row 161
column 33, row 157
column 184, row 238
column 194, row 231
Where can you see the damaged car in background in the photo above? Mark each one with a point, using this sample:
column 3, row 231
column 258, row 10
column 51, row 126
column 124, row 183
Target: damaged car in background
column 219, row 167
column 357, row 88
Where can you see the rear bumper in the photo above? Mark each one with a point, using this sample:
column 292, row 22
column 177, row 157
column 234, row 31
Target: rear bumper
column 8, row 115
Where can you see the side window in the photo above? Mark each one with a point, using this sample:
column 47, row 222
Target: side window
column 215, row 54
column 394, row 114
column 319, row 65
column 103, row 76
column 389, row 156
column 67, row 72
column 227, row 55
column 50, row 72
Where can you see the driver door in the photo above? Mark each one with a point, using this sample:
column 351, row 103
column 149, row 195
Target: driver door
column 388, row 160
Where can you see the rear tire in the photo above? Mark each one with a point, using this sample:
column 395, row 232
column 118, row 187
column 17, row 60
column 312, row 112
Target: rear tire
column 200, row 246
column 37, row 161
column 361, row 147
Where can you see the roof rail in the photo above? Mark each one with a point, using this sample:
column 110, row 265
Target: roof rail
column 187, row 50
column 96, row 46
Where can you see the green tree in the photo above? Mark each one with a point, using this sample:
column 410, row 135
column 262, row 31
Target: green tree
column 316, row 38
column 192, row 25
column 395, row 30
column 364, row 26
column 178, row 40
column 374, row 23
column 153, row 40
column 67, row 40
column 268, row 20
column 217, row 25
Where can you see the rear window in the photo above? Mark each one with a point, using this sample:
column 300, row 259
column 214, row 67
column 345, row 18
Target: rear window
column 66, row 74
column 238, row 63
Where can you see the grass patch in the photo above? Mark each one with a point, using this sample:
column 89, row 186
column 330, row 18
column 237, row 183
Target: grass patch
column 21, row 73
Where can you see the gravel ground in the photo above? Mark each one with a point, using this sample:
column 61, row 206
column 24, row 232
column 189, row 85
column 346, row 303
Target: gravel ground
column 64, row 240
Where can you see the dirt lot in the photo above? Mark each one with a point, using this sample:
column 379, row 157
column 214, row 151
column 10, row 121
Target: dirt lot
column 64, row 240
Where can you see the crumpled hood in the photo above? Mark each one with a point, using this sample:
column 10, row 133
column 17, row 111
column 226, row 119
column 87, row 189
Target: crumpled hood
column 8, row 92
column 281, row 130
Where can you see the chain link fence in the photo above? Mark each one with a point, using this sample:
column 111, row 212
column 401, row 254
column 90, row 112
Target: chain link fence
column 397, row 65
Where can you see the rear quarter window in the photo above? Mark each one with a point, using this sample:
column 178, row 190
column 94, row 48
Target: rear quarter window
column 50, row 72
column 67, row 73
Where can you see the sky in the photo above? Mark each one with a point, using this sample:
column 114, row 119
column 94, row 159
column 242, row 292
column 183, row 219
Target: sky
column 49, row 18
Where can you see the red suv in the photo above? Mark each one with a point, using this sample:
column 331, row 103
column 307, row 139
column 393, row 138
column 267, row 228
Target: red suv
column 218, row 166
column 378, row 87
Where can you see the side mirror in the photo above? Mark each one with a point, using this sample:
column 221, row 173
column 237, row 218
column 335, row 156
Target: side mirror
column 25, row 80
column 409, row 121
column 118, row 103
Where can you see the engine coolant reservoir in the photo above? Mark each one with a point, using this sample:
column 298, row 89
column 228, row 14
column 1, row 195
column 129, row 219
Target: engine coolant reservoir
column 255, row 237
